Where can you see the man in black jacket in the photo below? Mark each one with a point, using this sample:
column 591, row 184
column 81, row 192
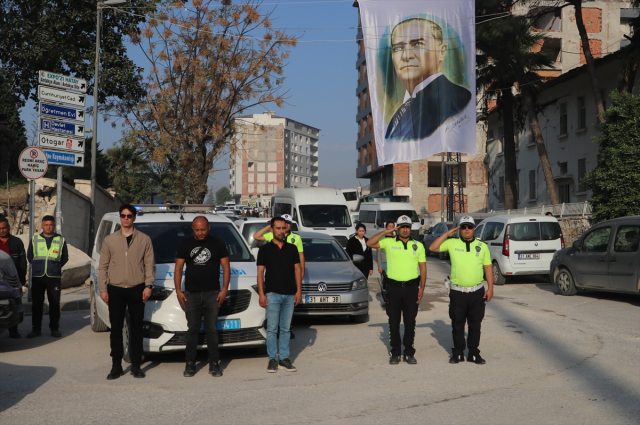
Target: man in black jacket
column 15, row 248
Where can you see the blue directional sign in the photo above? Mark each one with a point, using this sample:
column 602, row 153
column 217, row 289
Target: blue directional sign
column 64, row 158
column 64, row 112
column 61, row 127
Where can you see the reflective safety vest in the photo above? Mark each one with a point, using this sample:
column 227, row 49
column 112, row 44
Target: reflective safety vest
column 47, row 262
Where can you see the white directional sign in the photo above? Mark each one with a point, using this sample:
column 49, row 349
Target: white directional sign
column 54, row 95
column 59, row 111
column 61, row 127
column 65, row 158
column 60, row 143
column 62, row 81
column 33, row 163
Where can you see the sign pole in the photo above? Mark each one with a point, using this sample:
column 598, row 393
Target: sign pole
column 32, row 218
column 59, row 202
column 94, row 133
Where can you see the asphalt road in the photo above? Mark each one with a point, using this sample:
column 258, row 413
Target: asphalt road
column 550, row 360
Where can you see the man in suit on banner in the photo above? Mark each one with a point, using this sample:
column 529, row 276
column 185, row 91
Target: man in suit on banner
column 418, row 52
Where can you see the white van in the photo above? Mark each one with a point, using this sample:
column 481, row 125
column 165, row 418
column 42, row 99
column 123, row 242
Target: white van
column 316, row 209
column 352, row 196
column 374, row 215
column 240, row 319
column 520, row 244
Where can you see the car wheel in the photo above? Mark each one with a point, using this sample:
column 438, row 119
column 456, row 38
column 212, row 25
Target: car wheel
column 360, row 318
column 498, row 277
column 126, row 339
column 565, row 283
column 97, row 325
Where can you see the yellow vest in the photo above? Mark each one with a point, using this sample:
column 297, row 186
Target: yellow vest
column 47, row 262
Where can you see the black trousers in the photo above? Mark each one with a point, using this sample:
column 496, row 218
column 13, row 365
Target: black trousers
column 403, row 303
column 466, row 308
column 199, row 304
column 52, row 287
column 121, row 299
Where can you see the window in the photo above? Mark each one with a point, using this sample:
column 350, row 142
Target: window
column 627, row 239
column 307, row 180
column 582, row 113
column 478, row 233
column 295, row 179
column 597, row 240
column 501, row 189
column 325, row 215
column 528, row 231
column 367, row 216
column 582, row 170
column 532, row 185
column 490, row 135
column 563, row 119
column 323, row 250
column 500, row 139
column 564, row 193
column 564, row 168
column 492, row 231
column 550, row 230
column 281, row 208
column 103, row 232
column 387, row 216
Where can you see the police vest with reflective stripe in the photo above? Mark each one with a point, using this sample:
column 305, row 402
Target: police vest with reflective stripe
column 47, row 262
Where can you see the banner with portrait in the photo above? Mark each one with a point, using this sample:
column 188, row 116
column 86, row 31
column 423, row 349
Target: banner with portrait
column 421, row 70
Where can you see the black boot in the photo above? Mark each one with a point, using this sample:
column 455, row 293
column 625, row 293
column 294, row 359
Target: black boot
column 136, row 371
column 116, row 371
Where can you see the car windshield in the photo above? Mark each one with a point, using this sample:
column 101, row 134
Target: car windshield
column 166, row 238
column 325, row 216
column 393, row 215
column 323, row 250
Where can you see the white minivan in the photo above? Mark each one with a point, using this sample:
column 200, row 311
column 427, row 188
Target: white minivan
column 316, row 209
column 520, row 244
column 374, row 215
column 240, row 319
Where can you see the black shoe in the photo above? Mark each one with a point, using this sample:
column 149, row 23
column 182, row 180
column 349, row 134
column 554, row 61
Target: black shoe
column 455, row 359
column 137, row 372
column 273, row 366
column 214, row 370
column 14, row 335
column 475, row 358
column 34, row 334
column 189, row 370
column 394, row 360
column 409, row 359
column 116, row 372
column 286, row 365
column 56, row 333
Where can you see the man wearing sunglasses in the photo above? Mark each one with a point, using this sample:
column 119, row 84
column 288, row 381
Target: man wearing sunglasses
column 470, row 263
column 127, row 273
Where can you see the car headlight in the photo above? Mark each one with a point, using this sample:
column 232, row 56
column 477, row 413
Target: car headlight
column 159, row 293
column 359, row 284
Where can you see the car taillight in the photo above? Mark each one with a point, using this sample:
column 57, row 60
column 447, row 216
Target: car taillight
column 505, row 247
column 562, row 242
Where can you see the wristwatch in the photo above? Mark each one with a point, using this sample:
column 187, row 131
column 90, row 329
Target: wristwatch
column 149, row 286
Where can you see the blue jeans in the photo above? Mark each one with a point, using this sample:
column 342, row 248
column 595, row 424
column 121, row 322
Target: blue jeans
column 279, row 314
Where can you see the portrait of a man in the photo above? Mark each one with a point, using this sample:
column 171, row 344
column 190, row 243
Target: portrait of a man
column 418, row 51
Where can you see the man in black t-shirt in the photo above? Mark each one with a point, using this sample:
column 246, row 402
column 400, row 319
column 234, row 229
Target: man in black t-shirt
column 203, row 255
column 280, row 291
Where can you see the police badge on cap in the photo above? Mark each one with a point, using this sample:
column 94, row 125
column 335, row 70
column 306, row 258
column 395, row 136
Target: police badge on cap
column 403, row 220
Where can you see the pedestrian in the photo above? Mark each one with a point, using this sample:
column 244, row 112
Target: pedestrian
column 266, row 235
column 14, row 247
column 357, row 245
column 470, row 264
column 47, row 254
column 203, row 255
column 280, row 289
column 381, row 260
column 549, row 214
column 127, row 273
column 7, row 137
column 406, row 277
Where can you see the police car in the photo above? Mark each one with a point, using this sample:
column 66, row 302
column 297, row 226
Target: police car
column 241, row 319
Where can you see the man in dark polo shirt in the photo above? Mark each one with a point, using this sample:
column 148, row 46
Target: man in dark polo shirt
column 280, row 291
column 203, row 255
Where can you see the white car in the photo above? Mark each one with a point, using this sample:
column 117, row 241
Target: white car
column 241, row 320
column 520, row 244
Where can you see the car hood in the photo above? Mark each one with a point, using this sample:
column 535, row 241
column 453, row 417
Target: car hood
column 244, row 272
column 331, row 271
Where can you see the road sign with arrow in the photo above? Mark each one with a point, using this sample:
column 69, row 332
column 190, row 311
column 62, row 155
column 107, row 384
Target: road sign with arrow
column 61, row 127
column 65, row 158
column 62, row 81
column 60, row 143
column 62, row 96
column 59, row 111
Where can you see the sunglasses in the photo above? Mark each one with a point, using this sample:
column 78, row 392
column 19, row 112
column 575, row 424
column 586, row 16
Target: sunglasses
column 126, row 215
column 467, row 226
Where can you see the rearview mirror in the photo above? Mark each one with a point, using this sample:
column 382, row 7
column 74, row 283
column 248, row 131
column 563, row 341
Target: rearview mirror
column 576, row 244
column 357, row 258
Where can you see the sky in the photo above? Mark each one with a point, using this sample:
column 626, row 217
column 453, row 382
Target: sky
column 321, row 80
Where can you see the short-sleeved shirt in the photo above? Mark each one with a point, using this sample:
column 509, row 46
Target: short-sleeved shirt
column 292, row 238
column 203, row 269
column 279, row 264
column 403, row 258
column 467, row 260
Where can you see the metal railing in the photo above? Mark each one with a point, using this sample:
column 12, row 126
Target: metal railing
column 560, row 210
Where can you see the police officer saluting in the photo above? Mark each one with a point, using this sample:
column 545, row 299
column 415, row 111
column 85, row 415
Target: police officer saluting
column 406, row 277
column 470, row 262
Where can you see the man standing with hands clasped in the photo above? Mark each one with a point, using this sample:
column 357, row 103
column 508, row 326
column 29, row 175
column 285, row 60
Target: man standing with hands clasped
column 406, row 277
column 470, row 263
column 203, row 255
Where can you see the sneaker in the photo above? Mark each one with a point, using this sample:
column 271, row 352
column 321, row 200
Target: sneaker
column 409, row 359
column 273, row 366
column 475, row 358
column 189, row 370
column 394, row 360
column 56, row 333
column 34, row 333
column 286, row 365
column 214, row 369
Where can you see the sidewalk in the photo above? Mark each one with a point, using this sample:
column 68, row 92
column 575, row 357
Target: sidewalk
column 71, row 300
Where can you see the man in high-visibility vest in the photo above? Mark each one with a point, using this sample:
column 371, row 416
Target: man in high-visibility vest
column 47, row 254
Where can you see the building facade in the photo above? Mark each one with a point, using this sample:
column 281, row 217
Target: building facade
column 272, row 153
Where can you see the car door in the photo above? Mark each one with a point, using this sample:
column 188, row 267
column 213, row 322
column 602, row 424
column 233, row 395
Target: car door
column 492, row 231
column 591, row 262
column 624, row 259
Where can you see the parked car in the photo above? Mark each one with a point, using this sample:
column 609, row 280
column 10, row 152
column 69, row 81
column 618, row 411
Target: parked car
column 249, row 225
column 434, row 233
column 605, row 258
column 11, row 308
column 520, row 244
column 332, row 284
column 240, row 320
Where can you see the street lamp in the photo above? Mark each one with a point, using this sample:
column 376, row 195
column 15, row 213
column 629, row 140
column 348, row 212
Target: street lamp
column 94, row 138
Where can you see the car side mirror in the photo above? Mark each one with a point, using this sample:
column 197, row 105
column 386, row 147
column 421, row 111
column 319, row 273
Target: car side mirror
column 357, row 258
column 576, row 244
column 422, row 221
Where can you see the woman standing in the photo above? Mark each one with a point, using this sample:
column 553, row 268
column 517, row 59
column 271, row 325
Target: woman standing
column 357, row 245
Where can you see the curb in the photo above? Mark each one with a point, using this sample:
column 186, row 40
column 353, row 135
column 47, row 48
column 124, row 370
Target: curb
column 65, row 307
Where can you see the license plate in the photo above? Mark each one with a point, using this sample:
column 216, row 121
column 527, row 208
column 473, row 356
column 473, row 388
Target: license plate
column 224, row 325
column 331, row 299
column 528, row 256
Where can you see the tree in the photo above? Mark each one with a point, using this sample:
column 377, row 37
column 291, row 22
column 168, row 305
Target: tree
column 208, row 66
column 223, row 195
column 9, row 105
column 103, row 178
column 133, row 177
column 615, row 182
column 60, row 35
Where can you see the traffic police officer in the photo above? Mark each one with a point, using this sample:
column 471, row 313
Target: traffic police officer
column 265, row 235
column 470, row 263
column 406, row 277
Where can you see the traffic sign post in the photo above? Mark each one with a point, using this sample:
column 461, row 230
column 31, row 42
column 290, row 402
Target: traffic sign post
column 63, row 112
column 61, row 127
column 64, row 82
column 65, row 158
column 62, row 96
column 60, row 143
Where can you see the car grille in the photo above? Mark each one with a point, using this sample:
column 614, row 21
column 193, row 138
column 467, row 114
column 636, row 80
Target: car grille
column 224, row 337
column 331, row 287
column 342, row 240
column 324, row 307
column 236, row 302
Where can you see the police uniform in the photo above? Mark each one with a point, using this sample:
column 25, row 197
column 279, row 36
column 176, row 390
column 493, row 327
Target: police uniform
column 403, row 284
column 466, row 296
